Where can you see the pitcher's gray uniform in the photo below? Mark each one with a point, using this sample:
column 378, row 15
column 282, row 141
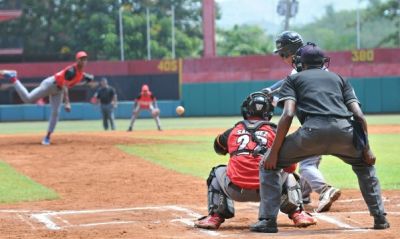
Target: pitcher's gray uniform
column 56, row 87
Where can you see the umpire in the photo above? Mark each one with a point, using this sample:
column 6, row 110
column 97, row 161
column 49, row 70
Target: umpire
column 324, row 103
column 108, row 102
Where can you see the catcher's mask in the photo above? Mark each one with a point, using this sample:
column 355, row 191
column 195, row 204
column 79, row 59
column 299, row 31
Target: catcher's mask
column 257, row 104
column 311, row 55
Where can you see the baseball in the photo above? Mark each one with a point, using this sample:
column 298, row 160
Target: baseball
column 180, row 110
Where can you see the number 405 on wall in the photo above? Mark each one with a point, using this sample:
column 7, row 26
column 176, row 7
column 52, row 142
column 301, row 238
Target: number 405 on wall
column 362, row 55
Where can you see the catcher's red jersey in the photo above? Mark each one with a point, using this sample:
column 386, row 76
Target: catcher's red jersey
column 243, row 167
column 145, row 101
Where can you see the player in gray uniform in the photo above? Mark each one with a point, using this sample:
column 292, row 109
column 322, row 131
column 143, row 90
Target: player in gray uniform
column 324, row 103
column 55, row 86
column 287, row 43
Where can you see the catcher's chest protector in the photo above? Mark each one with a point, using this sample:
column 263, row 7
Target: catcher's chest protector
column 242, row 139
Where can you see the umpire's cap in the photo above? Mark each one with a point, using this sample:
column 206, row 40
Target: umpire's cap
column 311, row 54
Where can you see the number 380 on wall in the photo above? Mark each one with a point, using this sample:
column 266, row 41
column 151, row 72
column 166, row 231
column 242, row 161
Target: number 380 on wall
column 362, row 55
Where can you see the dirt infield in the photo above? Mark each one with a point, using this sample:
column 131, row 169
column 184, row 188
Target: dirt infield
column 106, row 193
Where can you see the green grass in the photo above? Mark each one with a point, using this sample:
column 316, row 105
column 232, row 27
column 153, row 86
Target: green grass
column 196, row 157
column 15, row 187
column 121, row 124
column 386, row 150
column 145, row 124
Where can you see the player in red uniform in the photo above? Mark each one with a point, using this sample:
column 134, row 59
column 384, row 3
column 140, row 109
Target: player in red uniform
column 55, row 87
column 145, row 101
column 239, row 181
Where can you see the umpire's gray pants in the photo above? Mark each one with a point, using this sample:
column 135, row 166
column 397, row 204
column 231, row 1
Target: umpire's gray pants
column 107, row 111
column 319, row 136
column 49, row 88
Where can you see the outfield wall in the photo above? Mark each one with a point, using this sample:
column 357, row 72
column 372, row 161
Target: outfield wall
column 80, row 111
column 212, row 86
column 377, row 95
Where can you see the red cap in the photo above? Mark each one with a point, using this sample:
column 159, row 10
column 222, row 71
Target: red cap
column 145, row 88
column 80, row 54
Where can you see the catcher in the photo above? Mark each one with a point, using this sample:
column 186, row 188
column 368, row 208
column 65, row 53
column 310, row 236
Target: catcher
column 145, row 101
column 239, row 181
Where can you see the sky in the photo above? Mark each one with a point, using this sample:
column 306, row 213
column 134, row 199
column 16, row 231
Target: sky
column 263, row 12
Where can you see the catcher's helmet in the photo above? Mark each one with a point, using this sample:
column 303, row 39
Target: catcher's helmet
column 287, row 43
column 257, row 104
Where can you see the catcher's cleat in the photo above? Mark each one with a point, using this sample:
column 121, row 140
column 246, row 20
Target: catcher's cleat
column 209, row 222
column 265, row 225
column 129, row 129
column 380, row 222
column 46, row 141
column 302, row 219
column 327, row 197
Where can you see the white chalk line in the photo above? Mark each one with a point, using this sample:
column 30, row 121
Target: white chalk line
column 22, row 218
column 63, row 220
column 337, row 222
column 45, row 217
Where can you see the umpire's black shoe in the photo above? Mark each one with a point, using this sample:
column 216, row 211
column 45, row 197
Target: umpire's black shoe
column 265, row 225
column 380, row 222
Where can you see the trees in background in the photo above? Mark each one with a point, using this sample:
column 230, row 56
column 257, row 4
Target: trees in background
column 380, row 26
column 244, row 40
column 63, row 27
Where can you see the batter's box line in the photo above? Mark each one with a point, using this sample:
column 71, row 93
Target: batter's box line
column 47, row 217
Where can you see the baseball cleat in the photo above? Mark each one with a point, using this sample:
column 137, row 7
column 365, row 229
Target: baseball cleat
column 209, row 222
column 303, row 219
column 326, row 199
column 265, row 226
column 380, row 222
column 46, row 141
column 8, row 74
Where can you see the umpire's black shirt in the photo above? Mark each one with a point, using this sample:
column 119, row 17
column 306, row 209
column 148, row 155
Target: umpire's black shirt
column 318, row 92
column 105, row 94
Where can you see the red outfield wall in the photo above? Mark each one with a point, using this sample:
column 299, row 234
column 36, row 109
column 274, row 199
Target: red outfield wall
column 354, row 64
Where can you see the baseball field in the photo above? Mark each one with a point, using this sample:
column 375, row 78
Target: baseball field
column 151, row 184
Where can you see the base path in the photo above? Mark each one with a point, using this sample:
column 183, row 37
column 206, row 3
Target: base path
column 106, row 193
